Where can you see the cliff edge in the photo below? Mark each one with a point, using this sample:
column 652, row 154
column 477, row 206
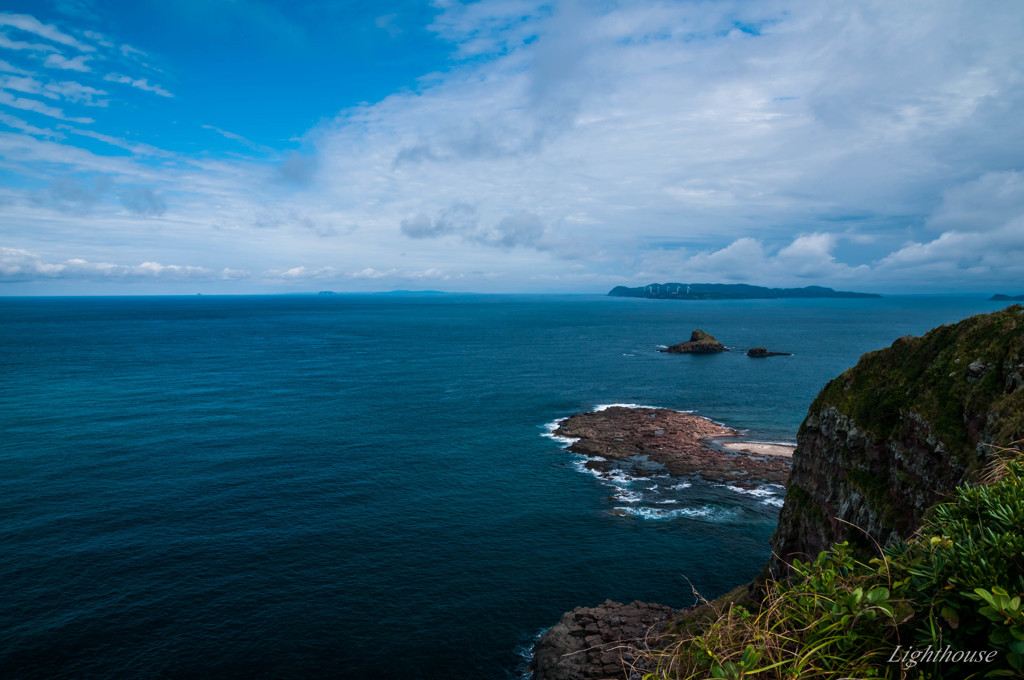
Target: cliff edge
column 896, row 433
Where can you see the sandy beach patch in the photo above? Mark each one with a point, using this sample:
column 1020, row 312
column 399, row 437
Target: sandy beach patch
column 760, row 449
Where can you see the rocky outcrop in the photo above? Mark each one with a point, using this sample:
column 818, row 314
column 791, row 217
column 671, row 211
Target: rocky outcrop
column 599, row 642
column 899, row 431
column 678, row 441
column 760, row 352
column 699, row 343
column 999, row 297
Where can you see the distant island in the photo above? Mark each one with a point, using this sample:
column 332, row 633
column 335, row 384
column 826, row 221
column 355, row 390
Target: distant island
column 999, row 297
column 729, row 291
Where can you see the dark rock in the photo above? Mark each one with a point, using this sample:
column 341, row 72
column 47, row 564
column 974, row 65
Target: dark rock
column 699, row 343
column 759, row 352
column 619, row 434
column 562, row 655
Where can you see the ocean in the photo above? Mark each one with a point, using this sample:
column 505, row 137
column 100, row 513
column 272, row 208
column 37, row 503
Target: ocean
column 365, row 486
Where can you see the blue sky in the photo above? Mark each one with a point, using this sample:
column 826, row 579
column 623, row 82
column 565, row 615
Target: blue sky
column 234, row 146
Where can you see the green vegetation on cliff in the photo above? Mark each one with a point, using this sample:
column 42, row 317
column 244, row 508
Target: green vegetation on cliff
column 895, row 434
column 963, row 379
column 947, row 603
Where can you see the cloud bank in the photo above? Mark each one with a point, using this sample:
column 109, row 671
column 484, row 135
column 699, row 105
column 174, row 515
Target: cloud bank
column 574, row 146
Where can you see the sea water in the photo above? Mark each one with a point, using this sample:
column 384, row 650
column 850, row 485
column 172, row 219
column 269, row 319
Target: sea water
column 366, row 486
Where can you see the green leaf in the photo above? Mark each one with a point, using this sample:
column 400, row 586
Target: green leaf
column 876, row 595
column 985, row 595
column 951, row 617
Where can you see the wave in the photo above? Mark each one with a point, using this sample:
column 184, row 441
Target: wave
column 706, row 513
column 616, row 476
column 602, row 407
column 627, row 496
column 759, row 492
column 550, row 434
column 771, row 494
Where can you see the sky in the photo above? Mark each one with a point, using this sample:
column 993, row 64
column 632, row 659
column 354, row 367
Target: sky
column 257, row 146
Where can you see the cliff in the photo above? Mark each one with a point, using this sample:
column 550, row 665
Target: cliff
column 896, row 433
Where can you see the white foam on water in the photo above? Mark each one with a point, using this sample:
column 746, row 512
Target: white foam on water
column 581, row 466
column 681, row 486
column 614, row 477
column 550, row 434
column 618, row 477
column 662, row 346
column 668, row 502
column 774, row 500
column 627, row 496
column 524, row 652
column 759, row 492
column 603, row 407
column 705, row 512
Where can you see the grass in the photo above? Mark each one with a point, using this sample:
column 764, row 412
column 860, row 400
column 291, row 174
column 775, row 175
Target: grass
column 959, row 581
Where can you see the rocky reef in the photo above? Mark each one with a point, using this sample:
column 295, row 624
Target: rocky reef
column 761, row 352
column 899, row 431
column 699, row 343
column 678, row 441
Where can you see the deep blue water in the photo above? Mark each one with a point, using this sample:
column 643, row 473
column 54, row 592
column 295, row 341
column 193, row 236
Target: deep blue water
column 359, row 486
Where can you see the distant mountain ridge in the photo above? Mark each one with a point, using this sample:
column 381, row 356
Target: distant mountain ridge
column 729, row 291
column 999, row 297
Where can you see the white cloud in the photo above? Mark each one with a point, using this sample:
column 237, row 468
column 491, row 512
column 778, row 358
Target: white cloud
column 228, row 274
column 7, row 67
column 35, row 106
column 371, row 273
column 75, row 64
column 18, row 124
column 227, row 134
column 9, row 44
column 302, row 273
column 989, row 202
column 138, row 83
column 77, row 93
column 134, row 147
column 22, row 265
column 30, row 24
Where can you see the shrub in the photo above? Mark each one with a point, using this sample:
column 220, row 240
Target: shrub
column 958, row 582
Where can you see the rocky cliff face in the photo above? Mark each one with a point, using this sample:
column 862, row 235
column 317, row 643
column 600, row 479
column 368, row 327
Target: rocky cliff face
column 896, row 433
